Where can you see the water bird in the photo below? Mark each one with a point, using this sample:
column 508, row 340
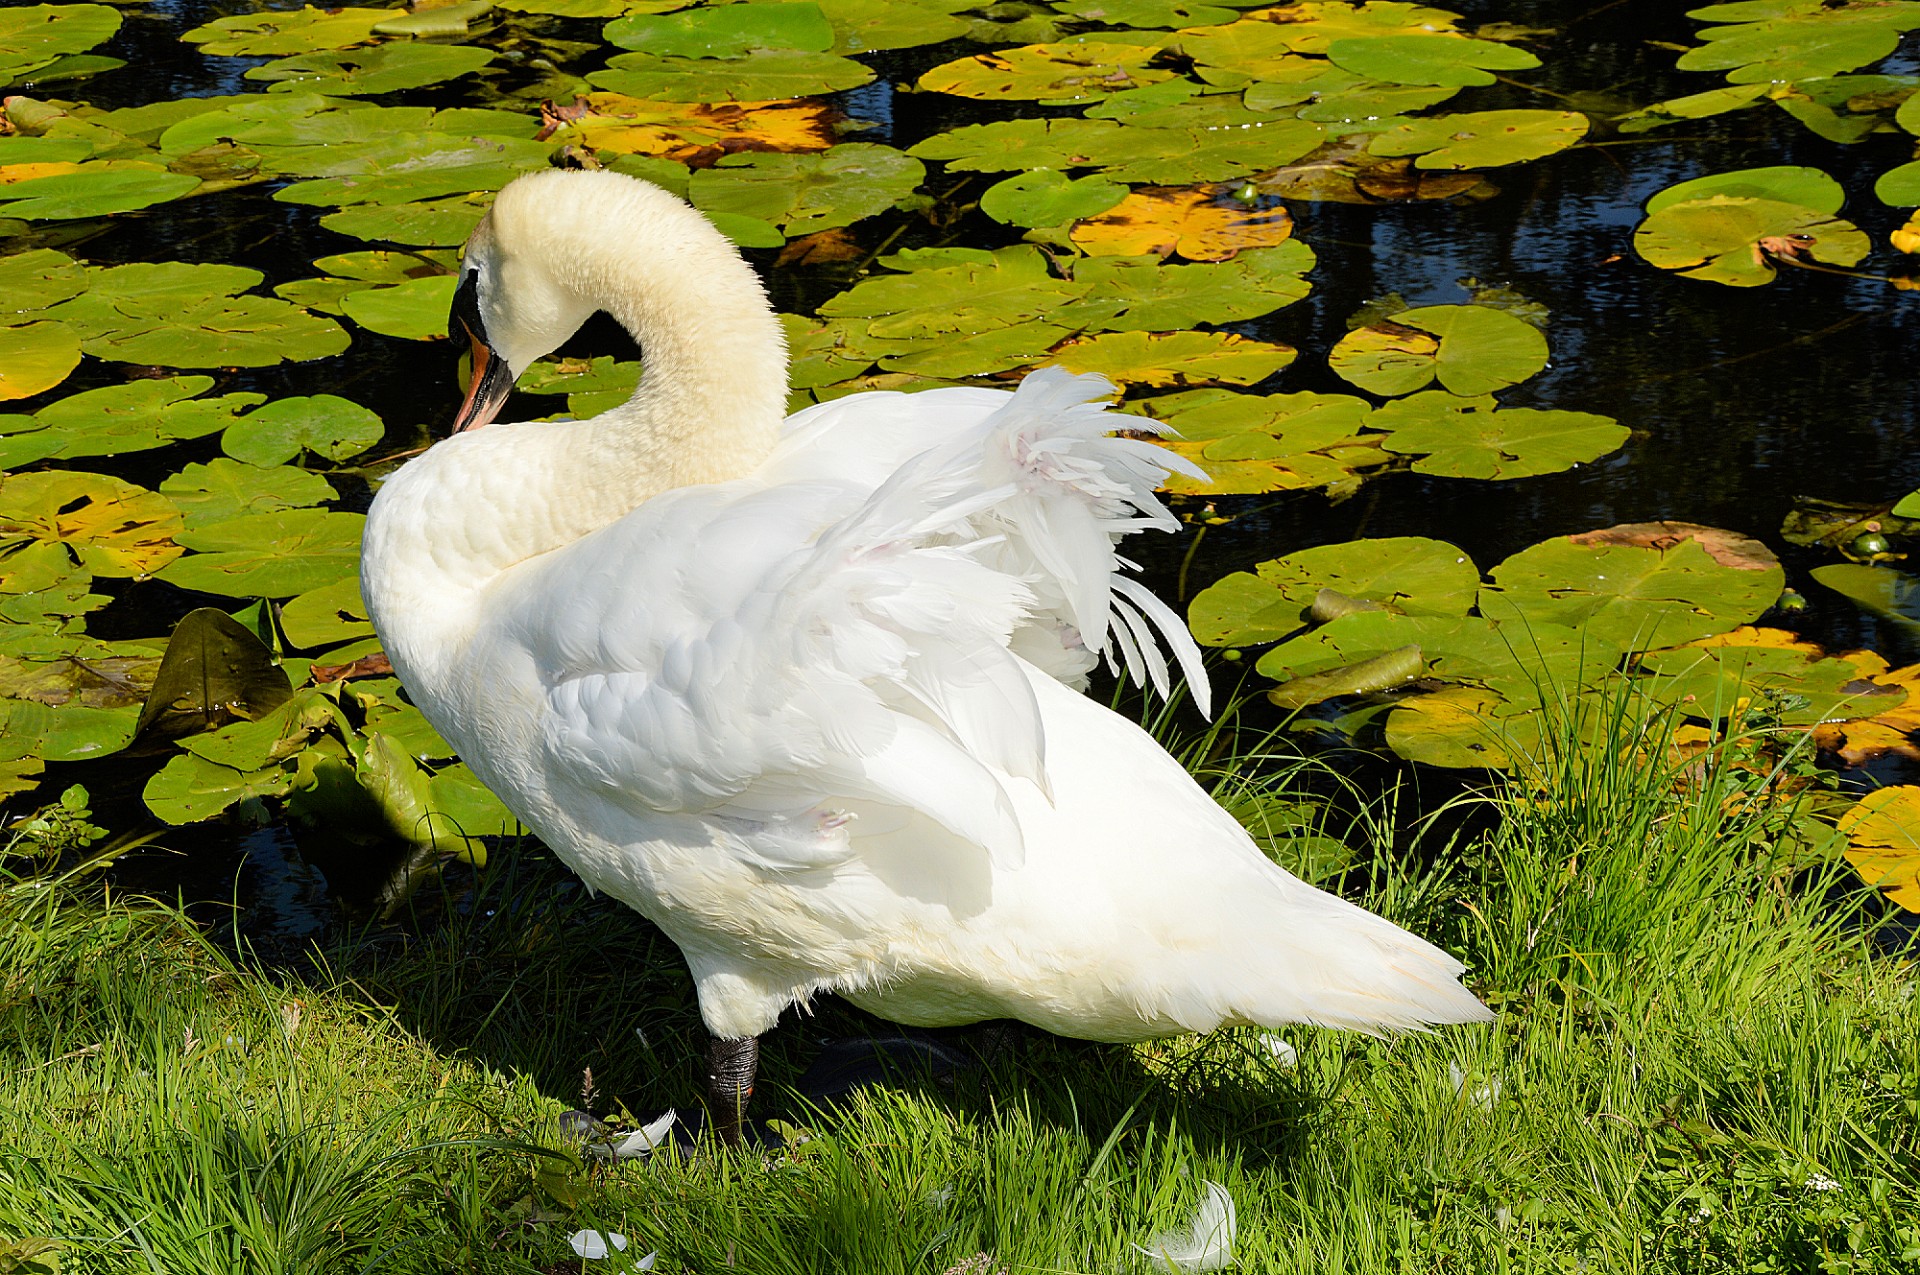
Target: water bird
column 805, row 691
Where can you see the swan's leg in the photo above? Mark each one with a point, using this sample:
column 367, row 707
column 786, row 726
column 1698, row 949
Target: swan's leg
column 730, row 1069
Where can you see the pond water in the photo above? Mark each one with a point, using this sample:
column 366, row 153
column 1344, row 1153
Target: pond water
column 1740, row 400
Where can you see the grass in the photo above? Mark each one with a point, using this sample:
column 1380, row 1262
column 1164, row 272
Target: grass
column 1700, row 1064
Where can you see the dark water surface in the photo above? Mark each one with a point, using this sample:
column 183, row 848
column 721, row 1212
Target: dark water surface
column 1740, row 400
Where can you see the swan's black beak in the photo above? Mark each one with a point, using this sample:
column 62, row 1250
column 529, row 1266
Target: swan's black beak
column 490, row 380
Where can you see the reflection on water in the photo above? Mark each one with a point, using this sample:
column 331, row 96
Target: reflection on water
column 1740, row 399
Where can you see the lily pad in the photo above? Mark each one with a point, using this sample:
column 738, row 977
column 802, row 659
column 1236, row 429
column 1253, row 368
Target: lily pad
column 1048, row 198
column 805, row 193
column 729, row 31
column 1468, row 438
column 862, row 26
column 221, row 489
column 1205, row 223
column 323, row 425
column 275, row 33
column 1797, row 41
column 327, row 616
column 1457, row 61
column 214, row 671
column 385, row 68
column 125, row 418
column 272, row 555
column 1631, row 596
column 1138, row 294
column 692, row 132
column 36, row 357
column 1482, row 139
column 1782, row 183
column 1413, row 575
column 1469, row 349
column 432, row 223
column 93, row 190
column 1892, row 595
column 111, row 527
column 1737, row 241
column 190, row 789
column 764, row 76
column 34, row 37
column 414, row 311
column 178, row 315
column 1069, row 71
column 1175, row 358
column 1883, row 842
column 1248, row 443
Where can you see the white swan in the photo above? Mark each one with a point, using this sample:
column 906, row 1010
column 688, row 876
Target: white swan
column 798, row 690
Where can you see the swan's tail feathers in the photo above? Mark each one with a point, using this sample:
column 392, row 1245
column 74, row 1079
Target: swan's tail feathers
column 1361, row 972
column 1052, row 491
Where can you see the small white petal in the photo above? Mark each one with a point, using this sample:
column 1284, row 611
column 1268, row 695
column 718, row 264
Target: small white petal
column 1205, row 1246
column 644, row 1139
column 597, row 1244
column 1283, row 1052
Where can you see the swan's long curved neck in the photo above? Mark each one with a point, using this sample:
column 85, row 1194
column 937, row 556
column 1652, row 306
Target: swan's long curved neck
column 556, row 248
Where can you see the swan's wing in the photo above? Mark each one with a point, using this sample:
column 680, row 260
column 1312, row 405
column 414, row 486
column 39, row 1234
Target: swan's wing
column 1034, row 479
column 777, row 661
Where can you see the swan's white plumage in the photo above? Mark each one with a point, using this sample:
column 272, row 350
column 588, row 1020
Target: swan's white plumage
column 799, row 692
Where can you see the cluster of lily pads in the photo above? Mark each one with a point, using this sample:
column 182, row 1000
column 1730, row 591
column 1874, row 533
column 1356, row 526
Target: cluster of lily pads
column 1136, row 167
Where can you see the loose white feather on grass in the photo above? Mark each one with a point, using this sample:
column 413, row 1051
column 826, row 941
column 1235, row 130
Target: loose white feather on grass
column 1206, row 1245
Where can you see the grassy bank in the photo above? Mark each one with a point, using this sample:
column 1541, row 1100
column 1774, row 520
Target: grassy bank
column 1699, row 1065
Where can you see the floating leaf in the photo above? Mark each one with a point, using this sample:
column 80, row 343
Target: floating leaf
column 414, row 311
column 189, row 789
column 35, row 358
column 113, row 528
column 223, row 489
column 1250, row 443
column 1736, row 241
column 1797, row 41
column 1175, row 358
column 1900, row 187
column 1411, row 574
column 1482, row 139
column 327, row 616
column 441, row 222
column 862, row 26
column 698, row 132
column 272, row 555
column 1134, row 293
column 954, row 291
column 1633, row 596
column 1204, row 223
column 214, row 671
column 1717, row 680
column 1468, row 438
column 1383, row 672
column 178, row 315
column 1892, row 595
column 1048, row 198
column 1463, row 728
column 275, row 33
column 1070, row 71
column 1147, row 13
column 729, row 31
column 805, row 193
column 38, row 278
column 126, row 418
column 1470, row 349
column 34, row 37
column 1883, row 842
column 385, row 68
column 92, row 190
column 1458, row 61
column 770, row 74
column 1782, row 183
column 324, row 425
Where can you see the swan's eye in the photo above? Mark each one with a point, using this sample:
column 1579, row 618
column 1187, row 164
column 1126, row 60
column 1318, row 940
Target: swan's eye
column 464, row 326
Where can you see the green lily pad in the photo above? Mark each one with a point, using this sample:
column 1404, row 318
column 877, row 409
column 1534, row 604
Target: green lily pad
column 414, row 311
column 327, row 616
column 446, row 20
column 36, row 357
column 1411, row 574
column 276, row 33
column 1044, row 197
column 38, row 278
column 1468, row 438
column 729, row 31
column 1899, row 186
column 323, row 425
column 1631, row 596
column 1769, row 43
column 1150, row 14
column 1469, row 349
column 805, row 193
column 1465, row 728
column 468, row 805
column 93, row 190
column 1249, row 443
column 125, row 418
column 433, row 223
column 272, row 555
column 1175, row 358
column 953, row 291
column 1068, row 71
column 68, row 734
column 1892, row 595
column 189, row 789
column 1713, row 682
column 385, row 68
column 1782, row 183
column 1694, row 106
column 33, row 37
column 1138, row 293
column 44, row 150
column 1457, row 61
column 1022, row 145
column 764, row 76
column 1736, row 241
column 1481, row 139
column 111, row 527
column 178, row 315
column 215, row 671
column 221, row 489
column 863, row 26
